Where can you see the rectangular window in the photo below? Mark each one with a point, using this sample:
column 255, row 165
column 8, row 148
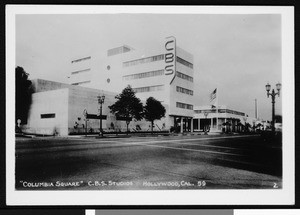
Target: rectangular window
column 80, row 71
column 184, row 106
column 143, row 60
column 82, row 82
column 184, row 76
column 221, row 111
column 118, row 50
column 185, row 91
column 184, row 62
column 125, row 49
column 144, row 75
column 47, row 115
column 81, row 59
column 149, row 89
column 235, row 112
column 205, row 111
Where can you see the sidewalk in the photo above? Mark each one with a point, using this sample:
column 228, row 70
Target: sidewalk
column 139, row 135
column 130, row 135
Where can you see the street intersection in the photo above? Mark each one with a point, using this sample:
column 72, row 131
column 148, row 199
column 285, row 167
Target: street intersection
column 149, row 162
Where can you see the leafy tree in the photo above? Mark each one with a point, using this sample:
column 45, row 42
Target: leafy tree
column 153, row 110
column 247, row 127
column 23, row 94
column 127, row 106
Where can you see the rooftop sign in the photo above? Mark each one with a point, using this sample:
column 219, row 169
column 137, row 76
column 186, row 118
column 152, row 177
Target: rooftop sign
column 170, row 57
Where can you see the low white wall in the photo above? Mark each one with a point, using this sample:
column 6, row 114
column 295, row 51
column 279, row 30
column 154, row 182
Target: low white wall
column 48, row 102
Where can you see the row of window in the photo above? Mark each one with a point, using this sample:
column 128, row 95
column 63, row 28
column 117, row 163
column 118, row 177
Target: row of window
column 221, row 111
column 81, row 59
column 184, row 90
column 231, row 112
column 184, row 106
column 155, row 58
column 205, row 111
column 118, row 50
column 79, row 71
column 148, row 89
column 184, row 76
column 184, row 62
column 143, row 60
column 82, row 82
column 144, row 75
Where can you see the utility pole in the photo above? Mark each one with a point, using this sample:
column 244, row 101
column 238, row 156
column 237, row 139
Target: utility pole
column 255, row 108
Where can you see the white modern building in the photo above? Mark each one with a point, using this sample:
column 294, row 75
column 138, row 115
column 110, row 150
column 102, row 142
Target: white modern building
column 165, row 73
column 220, row 119
column 58, row 108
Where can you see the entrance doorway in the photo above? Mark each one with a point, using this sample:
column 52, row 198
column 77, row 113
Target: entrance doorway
column 205, row 124
column 186, row 124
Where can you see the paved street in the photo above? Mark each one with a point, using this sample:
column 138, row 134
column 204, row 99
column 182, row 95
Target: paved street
column 160, row 162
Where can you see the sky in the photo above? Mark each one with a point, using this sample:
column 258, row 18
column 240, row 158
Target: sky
column 236, row 53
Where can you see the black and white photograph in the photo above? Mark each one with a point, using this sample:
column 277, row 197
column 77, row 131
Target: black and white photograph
column 149, row 105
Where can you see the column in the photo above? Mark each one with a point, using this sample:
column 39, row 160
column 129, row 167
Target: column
column 199, row 124
column 192, row 125
column 211, row 123
column 175, row 124
column 181, row 124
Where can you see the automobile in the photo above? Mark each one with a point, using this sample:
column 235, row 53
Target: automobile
column 278, row 127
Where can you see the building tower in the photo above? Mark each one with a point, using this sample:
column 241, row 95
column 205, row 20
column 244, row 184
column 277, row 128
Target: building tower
column 165, row 73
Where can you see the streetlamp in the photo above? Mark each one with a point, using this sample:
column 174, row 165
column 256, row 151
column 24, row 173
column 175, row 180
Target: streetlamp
column 100, row 102
column 273, row 94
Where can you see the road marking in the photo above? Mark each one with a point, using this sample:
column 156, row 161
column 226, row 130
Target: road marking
column 174, row 140
column 123, row 142
column 184, row 149
column 206, row 145
column 215, row 138
column 149, row 143
column 188, row 140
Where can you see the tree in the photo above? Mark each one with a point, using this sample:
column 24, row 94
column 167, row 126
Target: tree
column 247, row 127
column 23, row 94
column 153, row 110
column 127, row 106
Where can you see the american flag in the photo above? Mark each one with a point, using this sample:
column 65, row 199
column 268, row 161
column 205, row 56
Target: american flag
column 213, row 95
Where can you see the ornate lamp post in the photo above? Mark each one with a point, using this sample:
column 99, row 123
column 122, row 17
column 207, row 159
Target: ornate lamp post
column 273, row 95
column 100, row 102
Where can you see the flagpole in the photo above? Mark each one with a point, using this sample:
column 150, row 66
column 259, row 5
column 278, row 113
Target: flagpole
column 217, row 107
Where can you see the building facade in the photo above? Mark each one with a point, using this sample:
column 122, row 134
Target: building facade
column 59, row 109
column 221, row 119
column 165, row 73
